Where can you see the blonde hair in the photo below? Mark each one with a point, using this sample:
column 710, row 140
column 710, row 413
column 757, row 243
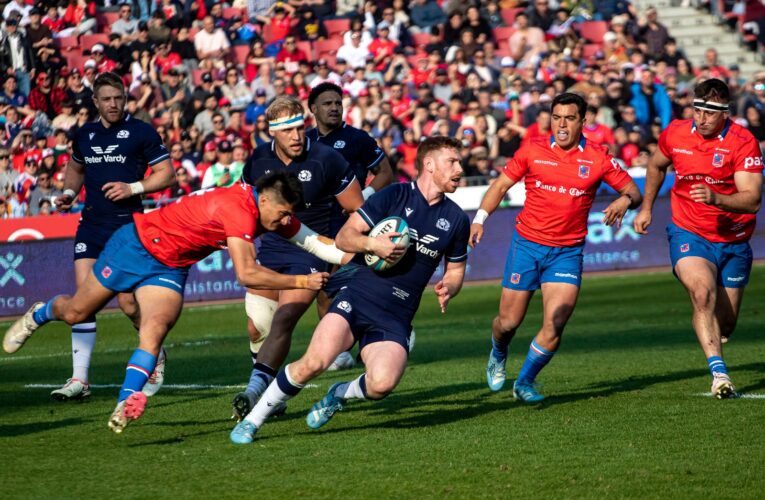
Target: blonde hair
column 284, row 106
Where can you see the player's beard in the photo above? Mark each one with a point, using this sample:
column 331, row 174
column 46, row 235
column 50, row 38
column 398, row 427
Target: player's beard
column 113, row 116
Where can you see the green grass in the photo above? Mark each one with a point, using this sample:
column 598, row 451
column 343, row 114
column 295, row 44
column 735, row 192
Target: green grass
column 624, row 416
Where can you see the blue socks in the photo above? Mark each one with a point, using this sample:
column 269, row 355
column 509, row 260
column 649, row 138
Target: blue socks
column 261, row 376
column 499, row 348
column 139, row 369
column 45, row 313
column 536, row 359
column 717, row 365
column 286, row 385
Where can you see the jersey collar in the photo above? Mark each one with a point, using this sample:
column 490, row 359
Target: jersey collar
column 582, row 142
column 722, row 133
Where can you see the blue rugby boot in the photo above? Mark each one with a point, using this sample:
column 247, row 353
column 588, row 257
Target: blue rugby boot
column 527, row 392
column 495, row 372
column 243, row 433
column 323, row 411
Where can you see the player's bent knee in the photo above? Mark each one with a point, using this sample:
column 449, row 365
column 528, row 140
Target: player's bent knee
column 703, row 297
column 507, row 323
column 261, row 311
column 380, row 387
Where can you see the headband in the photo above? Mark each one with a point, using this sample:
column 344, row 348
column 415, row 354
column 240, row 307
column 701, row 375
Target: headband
column 709, row 105
column 286, row 122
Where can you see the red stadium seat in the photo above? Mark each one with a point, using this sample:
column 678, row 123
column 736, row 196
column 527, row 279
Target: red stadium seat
column 307, row 49
column 106, row 19
column 336, row 26
column 67, row 43
column 230, row 12
column 593, row 30
column 590, row 49
column 503, row 33
column 508, row 15
column 196, row 76
column 240, row 53
column 421, row 39
column 192, row 32
column 88, row 41
column 326, row 47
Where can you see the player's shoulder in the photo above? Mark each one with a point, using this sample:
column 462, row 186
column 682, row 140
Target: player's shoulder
column 537, row 142
column 324, row 153
column 679, row 128
column 312, row 133
column 262, row 151
column 134, row 124
column 741, row 134
column 595, row 151
column 455, row 211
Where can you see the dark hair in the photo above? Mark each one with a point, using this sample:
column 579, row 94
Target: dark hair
column 285, row 186
column 320, row 89
column 712, row 88
column 432, row 144
column 569, row 98
column 108, row 79
column 592, row 109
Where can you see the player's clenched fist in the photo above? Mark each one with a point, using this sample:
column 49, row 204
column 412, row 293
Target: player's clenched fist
column 476, row 233
column 641, row 221
column 316, row 281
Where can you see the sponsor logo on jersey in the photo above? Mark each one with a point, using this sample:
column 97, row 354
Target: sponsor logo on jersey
column 339, row 145
column 566, row 275
column 584, row 171
column 429, row 238
column 735, row 279
column 304, row 176
column 717, row 160
column 343, row 305
column 685, row 247
column 106, row 155
column 682, row 151
column 546, row 162
column 515, row 278
column 80, row 247
column 408, row 211
column 753, row 162
column 443, row 224
column 100, row 151
column 123, row 134
column 106, row 272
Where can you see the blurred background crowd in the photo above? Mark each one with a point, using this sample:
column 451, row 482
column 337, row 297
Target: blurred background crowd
column 203, row 73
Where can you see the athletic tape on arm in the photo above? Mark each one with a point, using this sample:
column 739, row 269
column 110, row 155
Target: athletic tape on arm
column 309, row 241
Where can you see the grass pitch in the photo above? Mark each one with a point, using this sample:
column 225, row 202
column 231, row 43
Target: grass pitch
column 626, row 414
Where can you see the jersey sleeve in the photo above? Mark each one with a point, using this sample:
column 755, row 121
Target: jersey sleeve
column 518, row 166
column 749, row 156
column 290, row 229
column 664, row 146
column 76, row 152
column 370, row 154
column 613, row 174
column 340, row 172
column 457, row 251
column 377, row 207
column 154, row 150
column 237, row 220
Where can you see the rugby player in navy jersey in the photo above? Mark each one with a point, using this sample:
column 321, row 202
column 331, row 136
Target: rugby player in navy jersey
column 110, row 156
column 361, row 312
column 360, row 150
column 327, row 181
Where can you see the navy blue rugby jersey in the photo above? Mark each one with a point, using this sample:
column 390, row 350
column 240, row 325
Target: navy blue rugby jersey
column 121, row 153
column 357, row 147
column 437, row 232
column 324, row 175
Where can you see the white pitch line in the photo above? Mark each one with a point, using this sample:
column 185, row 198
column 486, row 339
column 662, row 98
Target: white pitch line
column 185, row 387
column 742, row 396
column 110, row 350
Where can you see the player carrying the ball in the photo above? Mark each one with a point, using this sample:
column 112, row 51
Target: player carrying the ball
column 376, row 309
column 562, row 175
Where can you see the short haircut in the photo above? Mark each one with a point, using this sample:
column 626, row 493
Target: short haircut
column 286, row 186
column 432, row 144
column 570, row 98
column 713, row 88
column 320, row 89
column 284, row 105
column 108, row 79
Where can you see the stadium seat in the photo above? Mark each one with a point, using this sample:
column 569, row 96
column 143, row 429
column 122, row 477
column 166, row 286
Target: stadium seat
column 326, row 47
column 420, row 39
column 105, row 21
column 307, row 49
column 88, row 41
column 508, row 15
column 336, row 26
column 230, row 12
column 240, row 53
column 192, row 32
column 503, row 33
column 67, row 43
column 196, row 76
column 593, row 30
column 590, row 49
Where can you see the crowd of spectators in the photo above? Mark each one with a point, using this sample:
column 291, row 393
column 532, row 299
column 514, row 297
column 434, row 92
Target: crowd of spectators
column 203, row 74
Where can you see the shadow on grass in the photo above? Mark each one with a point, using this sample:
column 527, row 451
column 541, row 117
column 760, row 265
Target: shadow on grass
column 25, row 429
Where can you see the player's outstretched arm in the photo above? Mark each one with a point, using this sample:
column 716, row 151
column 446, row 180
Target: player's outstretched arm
column 320, row 246
column 352, row 238
column 451, row 284
column 162, row 176
column 250, row 274
column 75, row 177
column 489, row 204
column 656, row 172
column 629, row 197
column 746, row 200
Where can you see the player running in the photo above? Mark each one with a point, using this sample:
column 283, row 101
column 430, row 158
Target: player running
column 362, row 311
column 110, row 157
column 717, row 192
column 562, row 175
column 327, row 181
column 152, row 257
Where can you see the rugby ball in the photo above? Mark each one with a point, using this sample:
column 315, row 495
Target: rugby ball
column 388, row 225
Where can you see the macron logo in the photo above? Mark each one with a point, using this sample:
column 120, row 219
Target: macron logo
column 408, row 211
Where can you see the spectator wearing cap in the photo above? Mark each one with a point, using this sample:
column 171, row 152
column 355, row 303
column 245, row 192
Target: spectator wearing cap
column 211, row 44
column 442, row 87
column 147, row 96
column 42, row 190
column 425, row 14
column 81, row 16
column 8, row 175
column 650, row 100
column 382, row 48
column 76, row 91
column 290, row 55
column 11, row 96
column 355, row 53
column 651, row 33
column 225, row 171
column 165, row 59
column 40, row 35
column 45, row 97
column 235, row 90
column 16, row 53
column 527, row 41
column 103, row 63
column 20, row 9
column 173, row 91
column 126, row 26
column 256, row 108
column 324, row 74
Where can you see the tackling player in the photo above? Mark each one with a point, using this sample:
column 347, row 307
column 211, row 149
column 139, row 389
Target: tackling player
column 152, row 257
column 562, row 175
column 717, row 192
column 362, row 311
column 110, row 157
column 327, row 181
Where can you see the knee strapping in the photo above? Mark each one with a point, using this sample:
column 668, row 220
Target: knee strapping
column 261, row 311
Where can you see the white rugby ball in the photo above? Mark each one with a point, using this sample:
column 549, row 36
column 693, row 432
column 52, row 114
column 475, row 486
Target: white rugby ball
column 388, row 225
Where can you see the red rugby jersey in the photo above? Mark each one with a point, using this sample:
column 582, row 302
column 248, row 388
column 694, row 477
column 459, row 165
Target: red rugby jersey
column 197, row 225
column 560, row 188
column 713, row 162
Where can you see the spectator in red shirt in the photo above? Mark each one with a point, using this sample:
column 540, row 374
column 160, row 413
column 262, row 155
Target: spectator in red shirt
column 279, row 21
column 540, row 128
column 291, row 55
column 45, row 97
column 103, row 63
column 595, row 132
column 382, row 47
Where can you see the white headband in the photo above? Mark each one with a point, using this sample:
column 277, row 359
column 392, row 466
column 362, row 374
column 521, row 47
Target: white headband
column 286, row 122
column 709, row 105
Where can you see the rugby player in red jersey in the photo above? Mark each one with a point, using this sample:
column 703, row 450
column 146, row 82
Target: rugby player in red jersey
column 562, row 175
column 717, row 192
column 152, row 256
